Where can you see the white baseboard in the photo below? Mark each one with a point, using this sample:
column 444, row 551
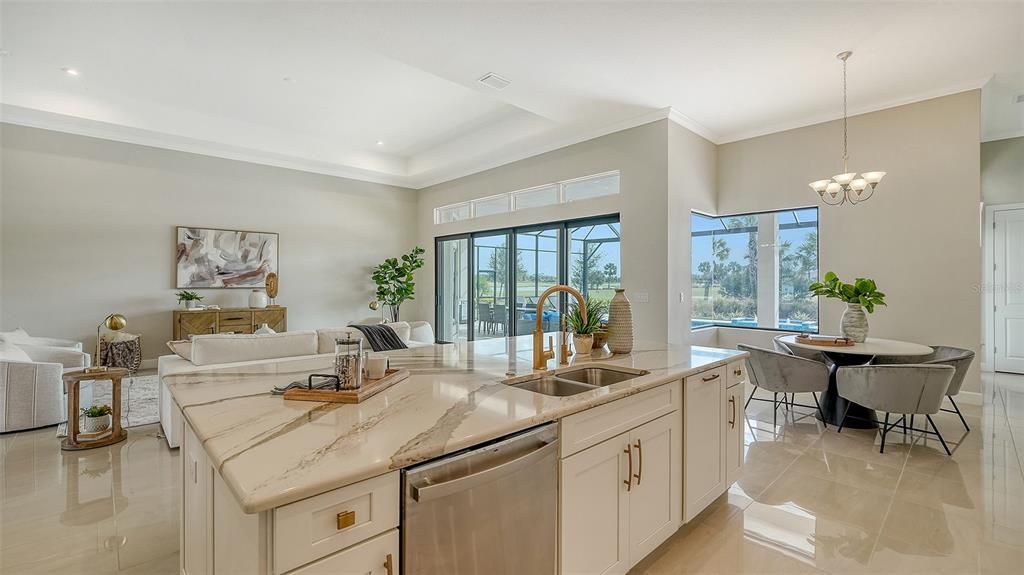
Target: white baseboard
column 969, row 398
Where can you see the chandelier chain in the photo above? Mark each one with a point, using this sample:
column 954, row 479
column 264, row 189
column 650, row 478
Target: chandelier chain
column 846, row 155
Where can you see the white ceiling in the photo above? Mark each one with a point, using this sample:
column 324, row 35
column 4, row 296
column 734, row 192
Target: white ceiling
column 211, row 77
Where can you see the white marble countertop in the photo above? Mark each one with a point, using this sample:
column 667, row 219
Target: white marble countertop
column 272, row 452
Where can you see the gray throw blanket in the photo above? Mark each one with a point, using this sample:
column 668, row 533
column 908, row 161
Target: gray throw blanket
column 381, row 337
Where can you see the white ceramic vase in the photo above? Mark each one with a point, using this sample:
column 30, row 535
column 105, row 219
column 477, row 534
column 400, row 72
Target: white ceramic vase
column 191, row 304
column 95, row 424
column 258, row 299
column 583, row 343
column 854, row 324
column 620, row 323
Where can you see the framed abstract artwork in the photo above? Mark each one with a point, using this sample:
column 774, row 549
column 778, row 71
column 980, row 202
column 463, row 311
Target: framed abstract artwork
column 211, row 258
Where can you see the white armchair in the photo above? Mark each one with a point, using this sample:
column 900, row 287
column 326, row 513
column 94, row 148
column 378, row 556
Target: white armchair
column 32, row 387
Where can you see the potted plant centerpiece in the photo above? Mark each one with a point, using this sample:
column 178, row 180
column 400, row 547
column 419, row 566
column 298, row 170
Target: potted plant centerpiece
column 97, row 418
column 191, row 299
column 860, row 296
column 584, row 326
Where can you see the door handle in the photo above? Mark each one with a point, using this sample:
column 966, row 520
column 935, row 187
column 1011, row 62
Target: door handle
column 389, row 564
column 711, row 378
column 640, row 458
column 629, row 474
column 732, row 412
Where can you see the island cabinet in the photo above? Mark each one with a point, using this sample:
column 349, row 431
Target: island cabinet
column 712, row 435
column 620, row 481
column 352, row 529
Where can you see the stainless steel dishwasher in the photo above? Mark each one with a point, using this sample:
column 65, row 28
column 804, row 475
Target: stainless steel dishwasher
column 491, row 510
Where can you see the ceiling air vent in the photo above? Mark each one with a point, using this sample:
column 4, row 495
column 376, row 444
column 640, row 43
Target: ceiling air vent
column 495, row 81
column 1020, row 98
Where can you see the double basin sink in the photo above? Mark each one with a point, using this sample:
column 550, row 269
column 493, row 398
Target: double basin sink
column 573, row 380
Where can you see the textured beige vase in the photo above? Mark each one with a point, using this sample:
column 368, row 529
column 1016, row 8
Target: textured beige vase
column 620, row 324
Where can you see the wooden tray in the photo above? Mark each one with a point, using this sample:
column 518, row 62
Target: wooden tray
column 370, row 388
column 831, row 342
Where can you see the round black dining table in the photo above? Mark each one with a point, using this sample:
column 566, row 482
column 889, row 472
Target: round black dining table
column 833, row 406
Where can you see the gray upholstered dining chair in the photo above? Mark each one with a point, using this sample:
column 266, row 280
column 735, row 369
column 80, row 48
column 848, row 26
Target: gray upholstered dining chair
column 957, row 357
column 904, row 389
column 783, row 373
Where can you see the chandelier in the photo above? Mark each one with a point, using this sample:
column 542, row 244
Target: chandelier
column 848, row 186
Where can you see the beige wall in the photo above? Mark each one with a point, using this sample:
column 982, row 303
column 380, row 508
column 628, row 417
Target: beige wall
column 642, row 155
column 88, row 228
column 1002, row 171
column 918, row 237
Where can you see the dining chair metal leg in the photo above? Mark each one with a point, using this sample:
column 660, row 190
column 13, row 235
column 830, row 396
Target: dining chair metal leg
column 903, row 418
column 775, row 409
column 749, row 399
column 842, row 420
column 957, row 408
column 885, row 429
column 941, row 440
column 818, row 405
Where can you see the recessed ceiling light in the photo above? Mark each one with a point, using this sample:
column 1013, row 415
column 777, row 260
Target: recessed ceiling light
column 70, row 71
column 380, row 142
column 289, row 79
column 492, row 80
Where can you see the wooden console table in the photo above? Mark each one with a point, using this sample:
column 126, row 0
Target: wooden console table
column 76, row 440
column 228, row 320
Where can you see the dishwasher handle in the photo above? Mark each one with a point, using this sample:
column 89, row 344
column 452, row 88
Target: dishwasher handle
column 438, row 490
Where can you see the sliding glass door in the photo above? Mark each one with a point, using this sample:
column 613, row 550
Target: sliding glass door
column 488, row 282
column 453, row 289
column 538, row 263
column 490, row 285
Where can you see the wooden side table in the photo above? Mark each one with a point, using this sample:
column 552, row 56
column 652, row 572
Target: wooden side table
column 76, row 440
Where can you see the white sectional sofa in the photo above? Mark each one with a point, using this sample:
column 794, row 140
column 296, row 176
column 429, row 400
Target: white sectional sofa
column 215, row 351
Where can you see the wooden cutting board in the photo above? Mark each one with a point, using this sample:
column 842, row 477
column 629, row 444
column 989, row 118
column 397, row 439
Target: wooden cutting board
column 370, row 388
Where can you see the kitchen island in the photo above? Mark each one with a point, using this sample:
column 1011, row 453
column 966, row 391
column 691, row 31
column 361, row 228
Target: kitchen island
column 264, row 477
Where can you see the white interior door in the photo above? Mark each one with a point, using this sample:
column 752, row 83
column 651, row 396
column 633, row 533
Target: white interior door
column 1008, row 293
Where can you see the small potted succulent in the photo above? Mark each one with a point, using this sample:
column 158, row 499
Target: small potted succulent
column 191, row 299
column 584, row 326
column 97, row 418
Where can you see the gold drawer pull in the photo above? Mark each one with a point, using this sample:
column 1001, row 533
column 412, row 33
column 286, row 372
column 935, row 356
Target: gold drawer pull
column 389, row 564
column 346, row 519
column 629, row 474
column 712, row 378
column 738, row 372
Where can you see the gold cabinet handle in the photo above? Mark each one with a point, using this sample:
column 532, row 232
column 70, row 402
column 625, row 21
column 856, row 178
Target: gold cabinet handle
column 732, row 412
column 346, row 519
column 389, row 564
column 629, row 475
column 640, row 457
column 711, row 378
column 737, row 372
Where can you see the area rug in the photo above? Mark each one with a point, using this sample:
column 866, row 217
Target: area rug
column 139, row 401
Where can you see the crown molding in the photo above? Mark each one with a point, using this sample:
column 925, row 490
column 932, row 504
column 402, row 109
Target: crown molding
column 41, row 119
column 975, row 84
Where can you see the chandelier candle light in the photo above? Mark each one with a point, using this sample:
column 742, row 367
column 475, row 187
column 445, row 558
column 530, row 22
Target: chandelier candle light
column 848, row 186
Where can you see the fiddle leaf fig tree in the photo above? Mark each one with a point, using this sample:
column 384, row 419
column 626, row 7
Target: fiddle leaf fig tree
column 862, row 291
column 394, row 279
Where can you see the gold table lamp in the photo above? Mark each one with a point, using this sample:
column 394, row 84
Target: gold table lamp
column 113, row 322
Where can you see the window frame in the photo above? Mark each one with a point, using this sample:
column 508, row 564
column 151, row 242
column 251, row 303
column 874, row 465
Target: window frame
column 817, row 247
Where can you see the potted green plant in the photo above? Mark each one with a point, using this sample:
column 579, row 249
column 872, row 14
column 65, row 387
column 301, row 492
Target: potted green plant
column 191, row 299
column 394, row 279
column 860, row 296
column 585, row 325
column 97, row 418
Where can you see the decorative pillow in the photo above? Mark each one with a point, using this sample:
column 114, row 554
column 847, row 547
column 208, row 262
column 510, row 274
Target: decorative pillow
column 15, row 336
column 183, row 348
column 10, row 352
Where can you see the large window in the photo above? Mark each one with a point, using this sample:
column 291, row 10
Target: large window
column 511, row 268
column 753, row 270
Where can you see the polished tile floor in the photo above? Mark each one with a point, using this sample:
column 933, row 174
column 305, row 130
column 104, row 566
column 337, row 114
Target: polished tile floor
column 810, row 501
